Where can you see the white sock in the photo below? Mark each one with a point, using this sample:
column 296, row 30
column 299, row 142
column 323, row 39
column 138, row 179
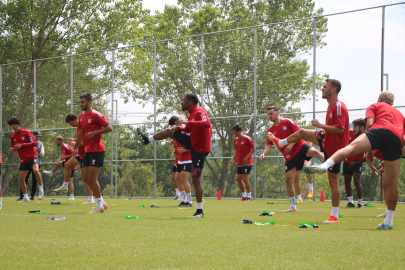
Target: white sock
column 177, row 192
column 350, row 199
column 102, row 199
column 150, row 138
column 299, row 198
column 389, row 219
column 189, row 198
column 65, row 184
column 360, row 201
column 328, row 163
column 99, row 202
column 335, row 211
column 249, row 195
column 41, row 188
column 292, row 202
column 0, row 200
column 283, row 142
column 199, row 205
column 90, row 198
column 26, row 196
column 386, row 209
column 183, row 196
column 72, row 196
column 311, row 186
column 244, row 194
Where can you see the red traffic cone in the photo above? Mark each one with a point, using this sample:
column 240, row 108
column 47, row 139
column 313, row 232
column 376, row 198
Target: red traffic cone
column 322, row 197
column 219, row 195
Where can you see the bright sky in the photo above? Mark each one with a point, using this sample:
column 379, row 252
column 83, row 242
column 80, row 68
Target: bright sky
column 352, row 54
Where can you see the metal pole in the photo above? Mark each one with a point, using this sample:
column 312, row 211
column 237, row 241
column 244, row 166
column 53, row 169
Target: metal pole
column 255, row 113
column 154, row 118
column 202, row 91
column 71, row 92
column 313, row 89
column 386, row 81
column 116, row 148
column 35, row 95
column 1, row 120
column 112, row 116
column 382, row 76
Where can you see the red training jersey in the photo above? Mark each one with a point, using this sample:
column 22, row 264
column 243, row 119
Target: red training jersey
column 337, row 115
column 243, row 147
column 91, row 122
column 183, row 158
column 283, row 130
column 28, row 143
column 387, row 117
column 379, row 155
column 67, row 150
column 199, row 127
column 352, row 137
column 81, row 147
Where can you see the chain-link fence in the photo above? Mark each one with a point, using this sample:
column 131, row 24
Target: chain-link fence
column 237, row 75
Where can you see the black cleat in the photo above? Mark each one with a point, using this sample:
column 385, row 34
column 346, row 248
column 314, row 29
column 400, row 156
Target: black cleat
column 359, row 205
column 198, row 215
column 187, row 204
column 350, row 205
column 19, row 199
column 143, row 136
column 181, row 204
column 32, row 198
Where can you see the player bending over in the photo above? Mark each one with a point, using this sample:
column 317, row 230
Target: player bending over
column 67, row 152
column 198, row 142
column 385, row 132
column 332, row 136
column 24, row 143
column 294, row 154
column 245, row 147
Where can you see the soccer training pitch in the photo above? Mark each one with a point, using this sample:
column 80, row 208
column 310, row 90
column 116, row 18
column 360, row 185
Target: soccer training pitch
column 166, row 238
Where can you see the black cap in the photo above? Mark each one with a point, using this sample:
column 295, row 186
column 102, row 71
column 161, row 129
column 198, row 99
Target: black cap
column 37, row 133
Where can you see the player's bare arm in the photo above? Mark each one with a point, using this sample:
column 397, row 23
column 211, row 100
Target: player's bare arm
column 265, row 152
column 245, row 159
column 328, row 128
column 233, row 158
column 107, row 128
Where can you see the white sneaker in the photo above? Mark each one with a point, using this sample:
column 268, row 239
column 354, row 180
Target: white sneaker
column 1, row 206
column 50, row 173
column 97, row 210
column 291, row 209
column 179, row 198
column 71, row 199
column 40, row 195
column 25, row 200
column 383, row 214
column 88, row 202
column 60, row 189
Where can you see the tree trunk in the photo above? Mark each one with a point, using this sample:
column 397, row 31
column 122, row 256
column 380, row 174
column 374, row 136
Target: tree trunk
column 7, row 175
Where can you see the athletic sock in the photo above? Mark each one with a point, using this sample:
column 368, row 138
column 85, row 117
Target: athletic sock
column 311, row 186
column 244, row 194
column 0, row 200
column 389, row 219
column 99, row 202
column 41, row 188
column 65, row 184
column 72, row 196
column 26, row 196
column 328, row 163
column 177, row 192
column 183, row 196
column 283, row 142
column 386, row 208
column 292, row 202
column 150, row 138
column 335, row 211
column 249, row 195
column 360, row 201
column 189, row 198
column 199, row 206
column 350, row 199
column 90, row 198
column 299, row 198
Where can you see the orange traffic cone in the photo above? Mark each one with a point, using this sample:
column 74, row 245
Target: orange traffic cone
column 219, row 195
column 322, row 197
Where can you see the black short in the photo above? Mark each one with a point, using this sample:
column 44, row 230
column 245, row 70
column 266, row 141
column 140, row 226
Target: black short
column 186, row 167
column 174, row 169
column 335, row 168
column 26, row 166
column 80, row 161
column 72, row 173
column 298, row 160
column 357, row 169
column 197, row 158
column 385, row 141
column 244, row 169
column 93, row 159
column 320, row 141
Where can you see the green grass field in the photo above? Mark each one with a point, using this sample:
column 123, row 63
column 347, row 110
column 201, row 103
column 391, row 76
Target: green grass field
column 166, row 237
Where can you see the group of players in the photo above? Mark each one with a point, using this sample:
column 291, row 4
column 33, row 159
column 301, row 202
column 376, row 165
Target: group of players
column 381, row 134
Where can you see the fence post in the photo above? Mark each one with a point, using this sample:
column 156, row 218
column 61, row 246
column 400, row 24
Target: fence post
column 382, row 75
column 154, row 118
column 112, row 117
column 255, row 113
column 202, row 92
column 35, row 95
column 116, row 147
column 313, row 90
column 1, row 120
column 71, row 91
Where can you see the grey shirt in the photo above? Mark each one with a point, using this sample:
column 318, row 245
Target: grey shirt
column 40, row 153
